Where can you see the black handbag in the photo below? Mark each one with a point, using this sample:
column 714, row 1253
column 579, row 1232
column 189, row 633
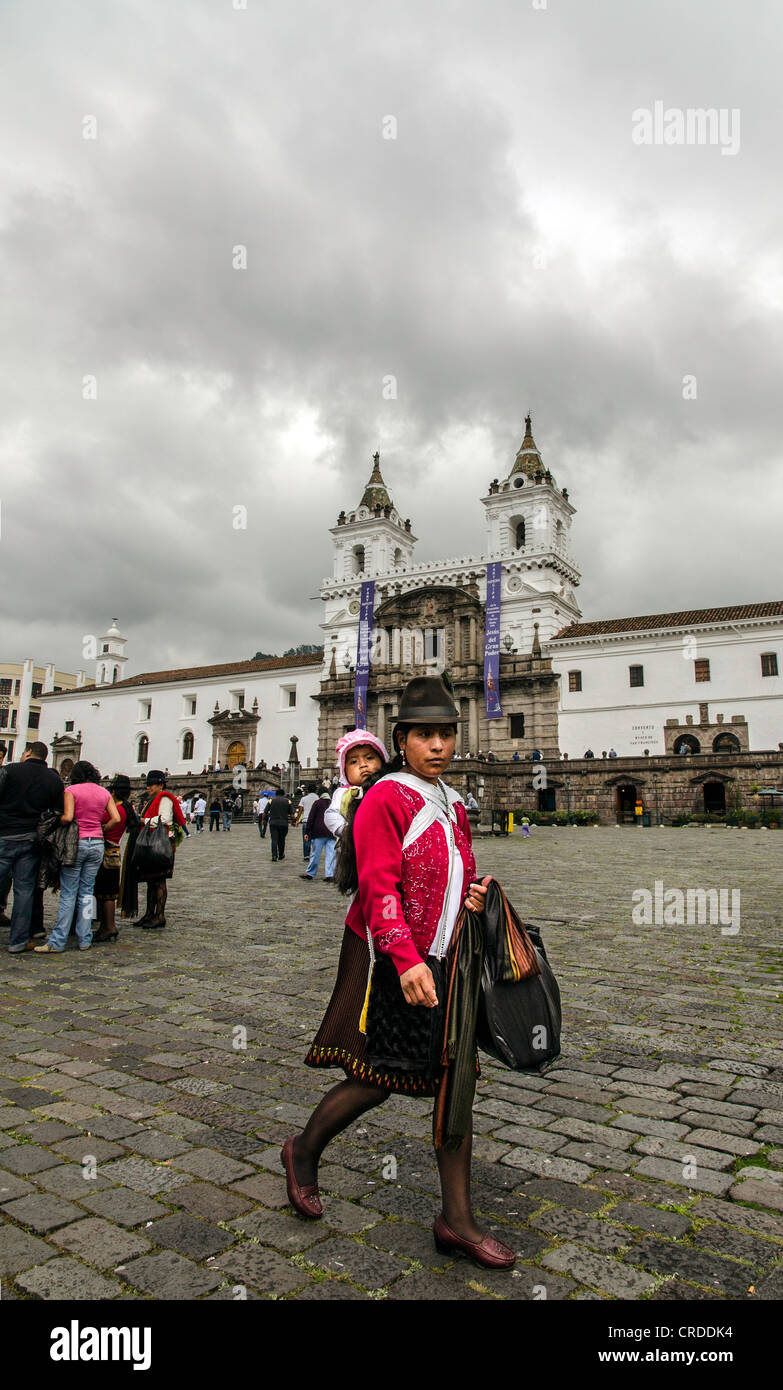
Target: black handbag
column 404, row 1037
column 153, row 852
column 519, row 1019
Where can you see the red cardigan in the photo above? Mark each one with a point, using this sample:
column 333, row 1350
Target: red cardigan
column 401, row 891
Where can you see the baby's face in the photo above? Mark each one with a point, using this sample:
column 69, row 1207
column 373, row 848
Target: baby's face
column 360, row 763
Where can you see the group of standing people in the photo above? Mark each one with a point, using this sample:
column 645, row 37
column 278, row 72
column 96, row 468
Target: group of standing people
column 99, row 876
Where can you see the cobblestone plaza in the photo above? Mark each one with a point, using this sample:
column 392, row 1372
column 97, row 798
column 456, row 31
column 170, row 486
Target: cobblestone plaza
column 139, row 1138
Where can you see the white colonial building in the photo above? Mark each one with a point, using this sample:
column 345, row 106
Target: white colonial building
column 637, row 683
column 238, row 712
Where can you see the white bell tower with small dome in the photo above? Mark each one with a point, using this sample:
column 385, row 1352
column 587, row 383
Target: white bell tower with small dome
column 528, row 529
column 110, row 664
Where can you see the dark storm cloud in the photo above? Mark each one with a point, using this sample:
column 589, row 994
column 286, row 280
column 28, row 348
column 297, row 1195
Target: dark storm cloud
column 511, row 248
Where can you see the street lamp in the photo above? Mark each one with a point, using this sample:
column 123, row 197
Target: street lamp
column 655, row 790
column 568, row 796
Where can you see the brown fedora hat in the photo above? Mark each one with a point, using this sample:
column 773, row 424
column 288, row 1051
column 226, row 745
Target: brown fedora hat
column 426, row 700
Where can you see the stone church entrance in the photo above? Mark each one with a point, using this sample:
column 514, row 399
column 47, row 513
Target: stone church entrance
column 714, row 799
column 237, row 753
column 626, row 804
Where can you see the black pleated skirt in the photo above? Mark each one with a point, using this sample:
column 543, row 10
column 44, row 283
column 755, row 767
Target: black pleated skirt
column 338, row 1042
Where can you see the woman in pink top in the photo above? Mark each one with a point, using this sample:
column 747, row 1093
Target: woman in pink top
column 93, row 809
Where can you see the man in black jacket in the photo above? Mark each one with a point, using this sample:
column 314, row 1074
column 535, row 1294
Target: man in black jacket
column 26, row 789
column 279, row 813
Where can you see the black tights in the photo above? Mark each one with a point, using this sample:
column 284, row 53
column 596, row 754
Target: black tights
column 344, row 1104
column 157, row 893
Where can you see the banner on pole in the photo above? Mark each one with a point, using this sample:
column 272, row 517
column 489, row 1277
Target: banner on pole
column 366, row 608
column 492, row 643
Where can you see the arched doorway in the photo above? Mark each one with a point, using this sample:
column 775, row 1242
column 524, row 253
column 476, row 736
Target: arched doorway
column 626, row 804
column 714, row 799
column 726, row 743
column 237, row 753
column 143, row 752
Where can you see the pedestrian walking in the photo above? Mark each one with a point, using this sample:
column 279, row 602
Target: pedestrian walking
column 94, row 810
column 303, row 810
column 26, row 789
column 406, row 853
column 279, row 816
column 107, row 881
column 262, row 812
column 199, row 811
column 227, row 807
column 161, row 806
column 214, row 814
column 321, row 839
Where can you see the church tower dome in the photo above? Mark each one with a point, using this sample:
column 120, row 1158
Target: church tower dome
column 373, row 539
column 110, row 664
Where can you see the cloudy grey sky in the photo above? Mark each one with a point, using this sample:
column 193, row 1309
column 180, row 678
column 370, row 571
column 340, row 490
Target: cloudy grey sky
column 511, row 248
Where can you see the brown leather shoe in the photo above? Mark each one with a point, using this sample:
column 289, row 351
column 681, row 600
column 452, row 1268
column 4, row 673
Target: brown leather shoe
column 489, row 1253
column 305, row 1200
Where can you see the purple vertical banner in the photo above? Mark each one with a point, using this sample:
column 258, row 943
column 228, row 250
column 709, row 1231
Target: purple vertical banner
column 492, row 643
column 366, row 609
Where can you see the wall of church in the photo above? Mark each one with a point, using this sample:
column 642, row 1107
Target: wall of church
column 609, row 712
column 113, row 720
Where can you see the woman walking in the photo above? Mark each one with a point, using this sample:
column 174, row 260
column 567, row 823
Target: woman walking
column 163, row 806
column 92, row 807
column 413, row 870
column 107, row 882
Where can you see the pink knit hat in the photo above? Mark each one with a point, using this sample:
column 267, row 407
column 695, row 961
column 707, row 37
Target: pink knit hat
column 357, row 738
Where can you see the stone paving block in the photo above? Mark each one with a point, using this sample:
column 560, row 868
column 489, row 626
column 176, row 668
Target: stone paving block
column 65, row 1278
column 123, row 1205
column 18, row 1250
column 766, row 1117
column 169, row 1276
column 662, row 1223
column 685, row 1152
column 212, row 1203
column 42, row 1211
column 261, row 1269
column 670, row 1257
column 270, row 1190
column 403, row 1203
column 78, row 1149
column 28, row 1158
column 598, row 1155
column 70, row 1112
column 539, row 1139
column 214, row 1166
column 180, row 1125
column 546, row 1165
column 762, row 1222
column 766, row 1194
column 29, row 1097
column 189, row 1235
column 48, row 1132
column 610, row 1276
column 729, row 1108
column 559, row 1105
column 771, row 1289
column 111, row 1127
column 154, row 1144
column 588, row 1230
column 12, row 1117
column 696, row 1119
column 704, row 1180
column 280, row 1229
column 419, row 1287
column 674, row 1291
column 725, row 1240
column 71, row 1180
column 100, row 1242
column 523, row 1283
column 373, row 1269
column 11, row 1186
column 565, row 1194
column 642, row 1124
column 143, row 1175
column 653, row 1109
column 598, row 1134
column 409, row 1242
column 731, row 1143
column 769, row 1134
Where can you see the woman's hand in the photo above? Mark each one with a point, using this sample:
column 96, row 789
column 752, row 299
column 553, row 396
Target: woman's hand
column 418, row 986
column 477, row 892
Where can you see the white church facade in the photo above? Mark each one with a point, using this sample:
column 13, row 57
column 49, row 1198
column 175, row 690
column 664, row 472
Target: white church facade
column 624, row 684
